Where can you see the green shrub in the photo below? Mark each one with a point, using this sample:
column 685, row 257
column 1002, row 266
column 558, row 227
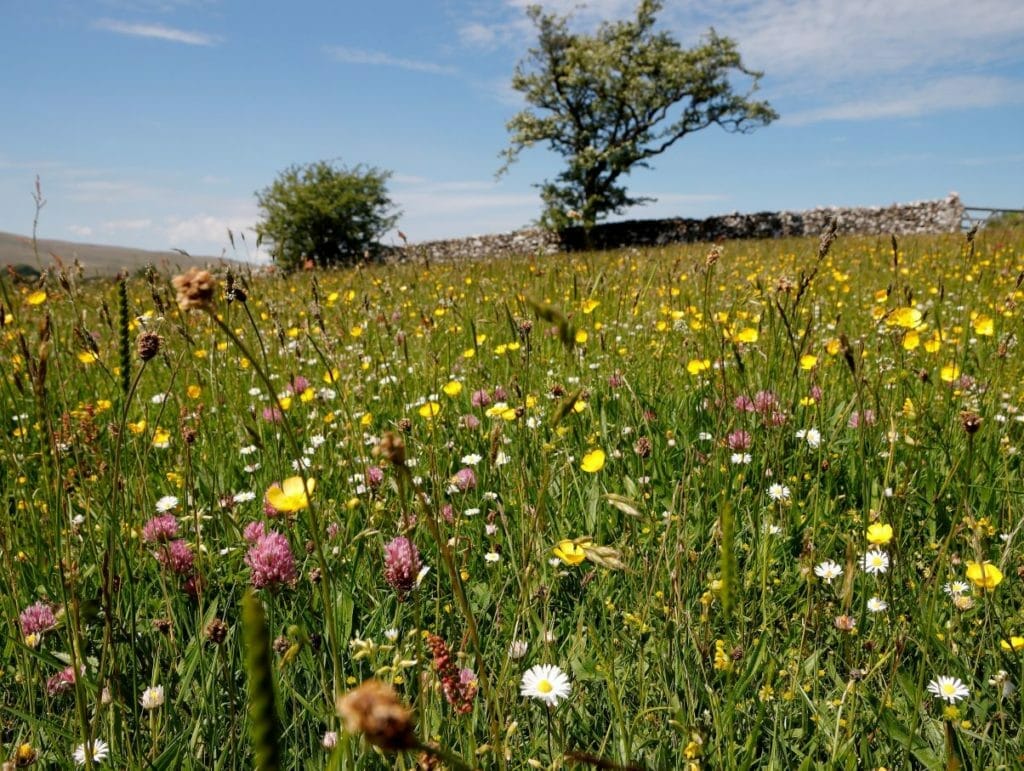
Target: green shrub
column 326, row 214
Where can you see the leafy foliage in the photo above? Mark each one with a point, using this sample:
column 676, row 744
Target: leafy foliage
column 330, row 215
column 610, row 101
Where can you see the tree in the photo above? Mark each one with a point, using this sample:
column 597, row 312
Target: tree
column 609, row 101
column 324, row 213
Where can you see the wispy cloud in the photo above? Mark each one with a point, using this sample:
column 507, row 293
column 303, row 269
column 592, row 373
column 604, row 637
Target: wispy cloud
column 158, row 32
column 955, row 93
column 830, row 58
column 382, row 59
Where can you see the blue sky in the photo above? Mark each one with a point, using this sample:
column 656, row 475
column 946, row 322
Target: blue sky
column 151, row 123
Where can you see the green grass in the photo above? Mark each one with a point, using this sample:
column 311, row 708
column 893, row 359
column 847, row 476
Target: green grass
column 688, row 616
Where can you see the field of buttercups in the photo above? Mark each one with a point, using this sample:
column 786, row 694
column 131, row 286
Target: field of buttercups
column 748, row 505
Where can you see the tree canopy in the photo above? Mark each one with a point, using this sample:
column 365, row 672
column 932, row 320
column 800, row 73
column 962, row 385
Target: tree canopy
column 611, row 100
column 328, row 214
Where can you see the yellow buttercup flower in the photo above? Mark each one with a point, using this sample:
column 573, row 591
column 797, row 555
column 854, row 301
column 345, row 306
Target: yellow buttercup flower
column 452, row 388
column 949, row 373
column 879, row 534
column 907, row 318
column 38, row 297
column 984, row 575
column 570, row 552
column 430, row 410
column 984, row 326
column 1015, row 643
column 747, row 335
column 807, row 361
column 696, row 366
column 291, row 495
column 593, row 461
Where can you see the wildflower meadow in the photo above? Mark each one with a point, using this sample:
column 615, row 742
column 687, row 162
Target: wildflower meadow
column 756, row 504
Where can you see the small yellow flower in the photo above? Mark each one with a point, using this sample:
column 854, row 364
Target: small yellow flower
column 290, row 495
column 38, row 297
column 332, row 375
column 194, row 392
column 984, row 575
column 161, row 438
column 746, row 335
column 696, row 366
column 879, row 534
column 430, row 410
column 87, row 357
column 807, row 361
column 949, row 373
column 984, row 326
column 590, row 305
column 593, row 461
column 911, row 340
column 1015, row 643
column 452, row 388
column 581, row 336
column 907, row 318
column 571, row 553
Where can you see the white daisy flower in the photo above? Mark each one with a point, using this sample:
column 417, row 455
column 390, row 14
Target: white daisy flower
column 778, row 492
column 956, row 588
column 152, row 697
column 877, row 605
column 875, row 561
column 950, row 689
column 97, row 751
column 828, row 570
column 545, row 682
column 166, row 503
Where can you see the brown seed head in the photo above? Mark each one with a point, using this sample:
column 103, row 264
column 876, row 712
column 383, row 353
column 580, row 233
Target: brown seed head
column 391, row 448
column 195, row 288
column 971, row 421
column 216, row 631
column 374, row 710
column 148, row 345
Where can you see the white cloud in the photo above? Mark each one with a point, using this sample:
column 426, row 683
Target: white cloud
column 380, row 58
column 828, row 41
column 205, row 232
column 831, row 57
column 158, row 32
column 108, row 191
column 117, row 226
column 955, row 93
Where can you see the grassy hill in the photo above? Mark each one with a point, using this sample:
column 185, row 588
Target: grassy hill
column 97, row 260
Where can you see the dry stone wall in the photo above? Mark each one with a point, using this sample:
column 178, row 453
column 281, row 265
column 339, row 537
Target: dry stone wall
column 942, row 216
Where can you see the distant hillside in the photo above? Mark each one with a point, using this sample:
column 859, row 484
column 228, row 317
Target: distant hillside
column 97, row 260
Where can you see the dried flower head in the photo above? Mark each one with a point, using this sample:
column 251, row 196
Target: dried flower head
column 195, row 289
column 148, row 345
column 391, row 448
column 374, row 710
column 216, row 631
column 971, row 422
